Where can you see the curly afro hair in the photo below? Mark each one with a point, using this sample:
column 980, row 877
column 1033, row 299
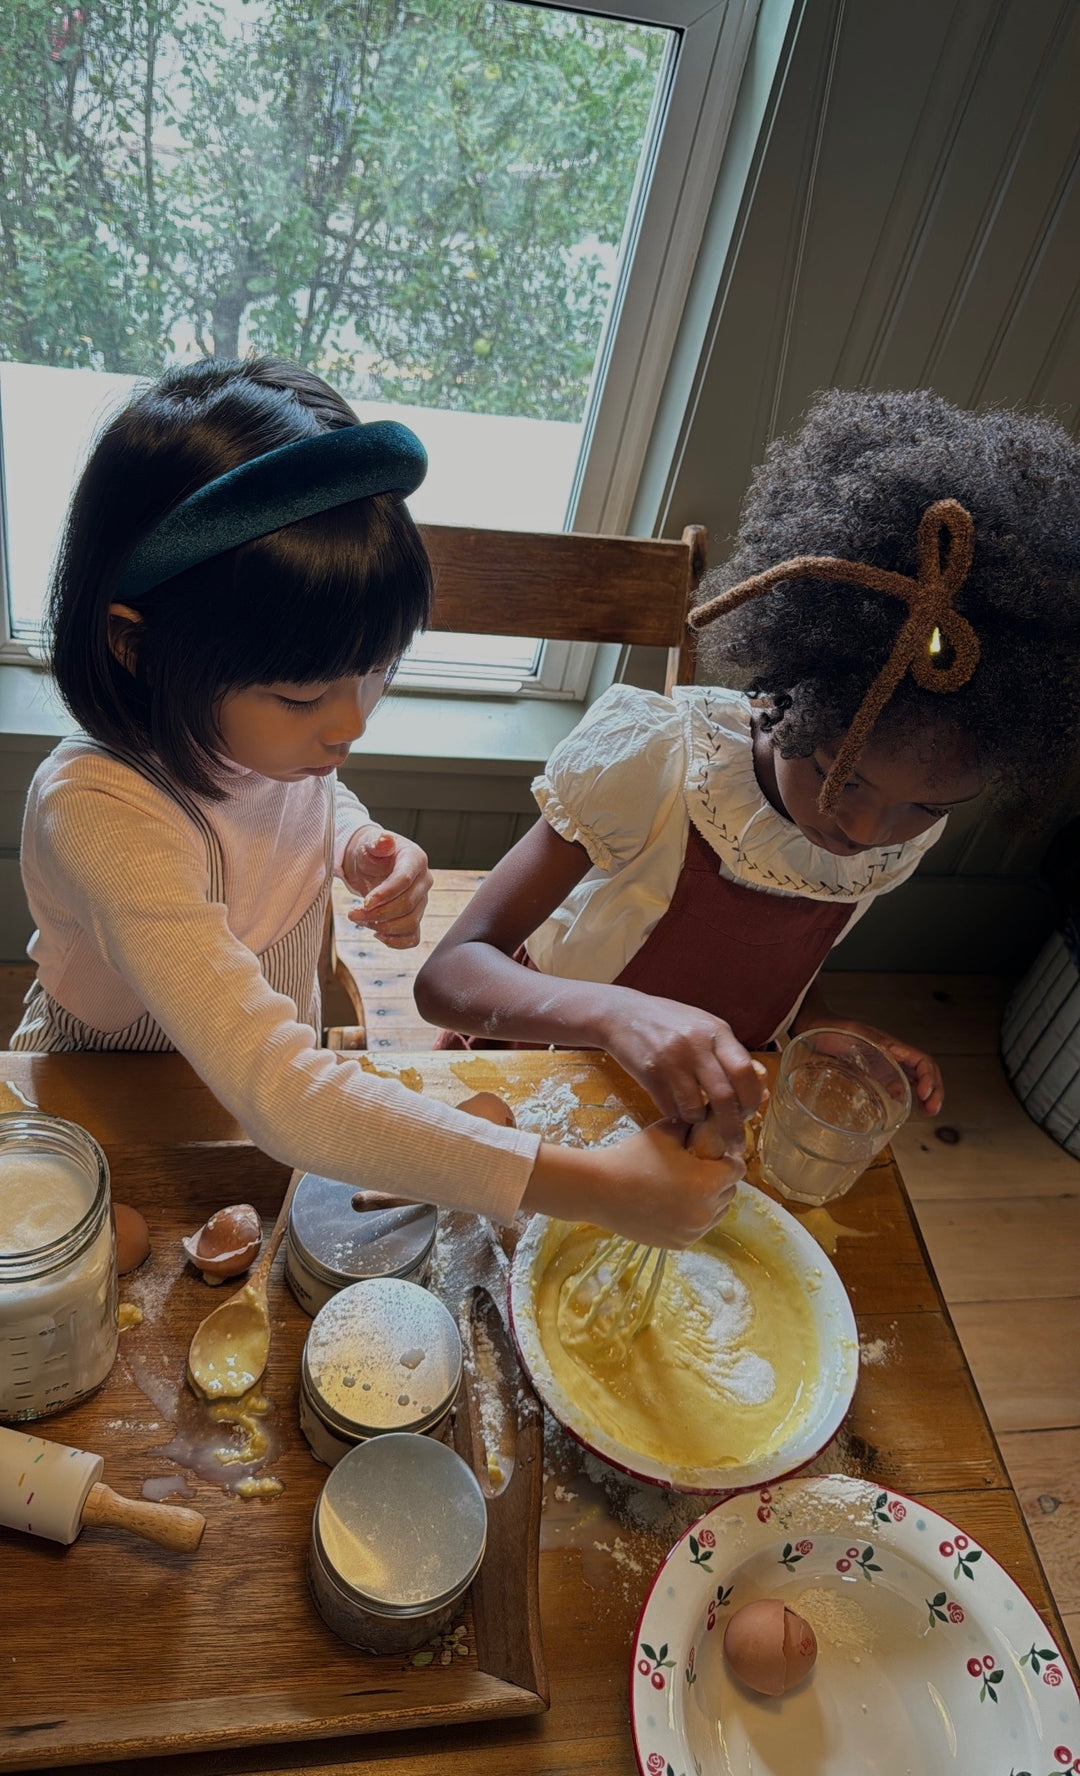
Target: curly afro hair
column 854, row 482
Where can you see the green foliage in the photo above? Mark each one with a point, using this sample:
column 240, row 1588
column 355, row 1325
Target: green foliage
column 424, row 201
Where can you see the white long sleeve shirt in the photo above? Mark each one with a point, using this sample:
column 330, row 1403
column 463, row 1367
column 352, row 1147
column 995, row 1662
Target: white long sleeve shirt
column 117, row 879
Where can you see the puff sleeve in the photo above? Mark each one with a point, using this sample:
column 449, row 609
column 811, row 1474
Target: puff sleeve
column 610, row 782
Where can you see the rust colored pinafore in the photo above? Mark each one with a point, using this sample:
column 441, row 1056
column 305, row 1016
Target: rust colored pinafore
column 743, row 954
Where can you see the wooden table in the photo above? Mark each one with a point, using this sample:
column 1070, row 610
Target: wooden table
column 916, row 1425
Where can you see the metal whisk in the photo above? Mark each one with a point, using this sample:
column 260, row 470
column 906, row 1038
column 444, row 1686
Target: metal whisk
column 625, row 1294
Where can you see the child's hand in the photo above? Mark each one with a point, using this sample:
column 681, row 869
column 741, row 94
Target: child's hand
column 393, row 876
column 685, row 1059
column 923, row 1072
column 648, row 1188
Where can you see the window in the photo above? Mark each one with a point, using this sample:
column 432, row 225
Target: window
column 479, row 218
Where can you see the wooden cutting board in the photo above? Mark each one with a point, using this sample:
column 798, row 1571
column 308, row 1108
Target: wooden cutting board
column 114, row 1648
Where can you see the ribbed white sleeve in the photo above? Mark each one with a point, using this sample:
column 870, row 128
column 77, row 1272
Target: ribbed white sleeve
column 132, row 886
column 349, row 813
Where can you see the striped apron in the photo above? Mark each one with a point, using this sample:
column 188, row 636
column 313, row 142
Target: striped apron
column 290, row 966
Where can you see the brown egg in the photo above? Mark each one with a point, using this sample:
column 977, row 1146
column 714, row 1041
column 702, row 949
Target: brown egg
column 226, row 1244
column 132, row 1238
column 491, row 1108
column 769, row 1647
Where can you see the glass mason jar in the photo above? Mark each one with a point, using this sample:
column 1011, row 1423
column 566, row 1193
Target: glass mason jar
column 58, row 1327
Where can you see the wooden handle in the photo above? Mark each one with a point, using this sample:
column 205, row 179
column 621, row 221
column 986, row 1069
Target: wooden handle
column 257, row 1278
column 174, row 1526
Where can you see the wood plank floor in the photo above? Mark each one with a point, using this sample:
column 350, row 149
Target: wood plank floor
column 999, row 1208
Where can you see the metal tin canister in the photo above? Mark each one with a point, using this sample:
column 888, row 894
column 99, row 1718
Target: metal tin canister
column 396, row 1540
column 381, row 1356
column 334, row 1240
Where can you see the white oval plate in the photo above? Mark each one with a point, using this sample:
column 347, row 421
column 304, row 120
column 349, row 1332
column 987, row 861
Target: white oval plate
column 762, row 1226
column 931, row 1661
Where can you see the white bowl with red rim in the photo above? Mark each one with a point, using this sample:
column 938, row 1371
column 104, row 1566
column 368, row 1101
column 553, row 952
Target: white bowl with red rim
column 931, row 1660
column 776, row 1236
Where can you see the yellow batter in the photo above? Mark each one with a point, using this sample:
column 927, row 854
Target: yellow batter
column 718, row 1378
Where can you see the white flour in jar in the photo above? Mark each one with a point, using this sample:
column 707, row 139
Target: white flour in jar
column 58, row 1326
column 41, row 1197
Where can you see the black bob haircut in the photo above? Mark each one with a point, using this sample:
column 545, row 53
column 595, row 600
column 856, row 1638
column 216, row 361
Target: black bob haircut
column 854, row 481
column 337, row 594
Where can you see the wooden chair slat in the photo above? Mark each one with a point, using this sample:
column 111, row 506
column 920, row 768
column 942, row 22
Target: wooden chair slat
column 557, row 586
column 561, row 586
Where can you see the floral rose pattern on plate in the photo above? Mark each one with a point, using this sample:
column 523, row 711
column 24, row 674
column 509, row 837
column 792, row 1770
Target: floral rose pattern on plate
column 1037, row 1657
column 657, row 1765
column 887, row 1510
column 794, row 1553
column 701, row 1547
column 941, row 1610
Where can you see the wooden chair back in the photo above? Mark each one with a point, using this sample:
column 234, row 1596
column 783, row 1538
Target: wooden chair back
column 563, row 587
column 557, row 586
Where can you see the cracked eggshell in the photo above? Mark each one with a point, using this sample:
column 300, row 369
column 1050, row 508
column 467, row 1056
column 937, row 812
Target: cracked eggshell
column 226, row 1244
column 490, row 1108
column 769, row 1647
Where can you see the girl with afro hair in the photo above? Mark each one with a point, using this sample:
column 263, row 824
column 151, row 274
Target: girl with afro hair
column 903, row 604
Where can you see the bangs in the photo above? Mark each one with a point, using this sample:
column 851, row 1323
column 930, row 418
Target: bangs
column 338, row 594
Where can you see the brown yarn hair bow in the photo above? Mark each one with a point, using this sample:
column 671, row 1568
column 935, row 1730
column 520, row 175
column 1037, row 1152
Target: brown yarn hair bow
column 930, row 626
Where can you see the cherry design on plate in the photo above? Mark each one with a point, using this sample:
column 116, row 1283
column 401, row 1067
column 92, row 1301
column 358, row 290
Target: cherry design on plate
column 987, row 1669
column 653, row 1665
column 1065, row 1760
column 965, row 1555
column 864, row 1562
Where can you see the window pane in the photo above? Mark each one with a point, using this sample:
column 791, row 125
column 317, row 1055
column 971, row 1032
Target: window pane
column 427, row 206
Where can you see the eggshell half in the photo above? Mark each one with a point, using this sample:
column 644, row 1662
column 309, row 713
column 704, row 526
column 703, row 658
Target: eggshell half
column 491, row 1108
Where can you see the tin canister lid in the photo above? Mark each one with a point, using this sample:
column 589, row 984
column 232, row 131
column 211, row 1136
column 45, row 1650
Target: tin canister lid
column 384, row 1355
column 401, row 1523
column 340, row 1242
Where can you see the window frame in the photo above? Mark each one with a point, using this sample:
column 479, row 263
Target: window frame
column 662, row 235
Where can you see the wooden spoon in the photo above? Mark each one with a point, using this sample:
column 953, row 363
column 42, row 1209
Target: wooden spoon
column 230, row 1348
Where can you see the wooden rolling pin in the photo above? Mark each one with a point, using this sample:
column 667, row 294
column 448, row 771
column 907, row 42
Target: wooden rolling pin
column 49, row 1490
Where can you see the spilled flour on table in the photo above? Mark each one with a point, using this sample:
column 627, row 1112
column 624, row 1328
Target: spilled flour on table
column 621, row 1529
column 875, row 1351
column 555, row 1111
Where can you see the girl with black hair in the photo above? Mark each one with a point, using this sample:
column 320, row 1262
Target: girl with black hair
column 238, row 579
column 904, row 603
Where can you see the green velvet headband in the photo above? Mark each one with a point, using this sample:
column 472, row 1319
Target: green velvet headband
column 294, row 482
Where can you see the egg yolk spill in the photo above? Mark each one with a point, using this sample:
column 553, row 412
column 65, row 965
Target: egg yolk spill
column 721, row 1374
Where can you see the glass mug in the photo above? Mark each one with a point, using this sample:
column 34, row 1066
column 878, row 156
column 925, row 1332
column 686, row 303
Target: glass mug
column 837, row 1102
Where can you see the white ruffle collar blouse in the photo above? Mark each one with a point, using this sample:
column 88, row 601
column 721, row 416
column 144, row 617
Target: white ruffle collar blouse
column 757, row 844
column 627, row 783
